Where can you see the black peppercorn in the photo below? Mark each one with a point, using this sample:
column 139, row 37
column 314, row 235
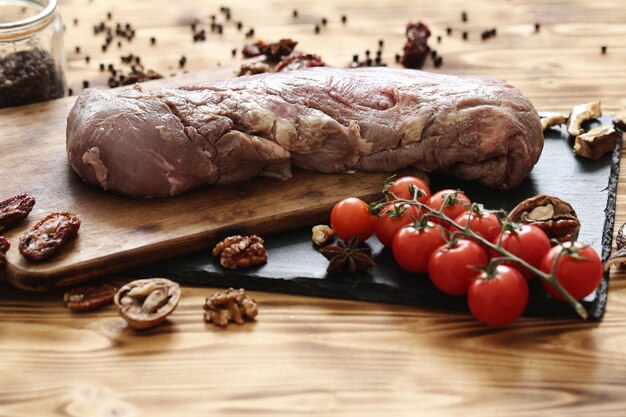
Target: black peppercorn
column 433, row 54
column 85, row 84
column 438, row 62
column 182, row 61
column 355, row 58
column 537, row 27
column 449, row 31
column 465, row 34
column 119, row 44
column 75, row 21
column 294, row 13
column 220, row 29
column 368, row 62
column 464, row 16
column 70, row 91
column 381, row 42
column 109, row 15
column 367, row 52
column 101, row 67
column 193, row 26
column 152, row 40
column 77, row 49
column 87, row 59
column 227, row 15
column 438, row 39
column 234, row 52
column 239, row 25
column 603, row 49
column 317, row 28
column 398, row 58
column 104, row 47
column 324, row 21
column 112, row 83
column 344, row 18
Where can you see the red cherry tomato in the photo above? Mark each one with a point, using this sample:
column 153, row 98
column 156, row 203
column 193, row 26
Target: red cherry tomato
column 392, row 218
column 412, row 246
column 449, row 266
column 454, row 210
column 401, row 188
column 351, row 217
column 578, row 277
column 500, row 299
column 486, row 224
column 529, row 243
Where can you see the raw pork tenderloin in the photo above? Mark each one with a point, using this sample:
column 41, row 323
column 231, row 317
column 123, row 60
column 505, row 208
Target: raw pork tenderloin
column 163, row 142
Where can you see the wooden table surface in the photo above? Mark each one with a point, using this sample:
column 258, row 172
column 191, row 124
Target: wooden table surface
column 311, row 356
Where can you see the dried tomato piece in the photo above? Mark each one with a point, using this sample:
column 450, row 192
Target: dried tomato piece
column 416, row 47
column 14, row 209
column 47, row 236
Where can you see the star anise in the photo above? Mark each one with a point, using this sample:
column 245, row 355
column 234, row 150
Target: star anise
column 349, row 257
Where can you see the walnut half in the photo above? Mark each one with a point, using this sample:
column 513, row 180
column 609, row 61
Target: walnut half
column 240, row 251
column 232, row 305
column 580, row 114
column 145, row 303
column 556, row 217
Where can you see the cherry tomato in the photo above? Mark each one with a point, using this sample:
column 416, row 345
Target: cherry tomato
column 351, row 217
column 578, row 277
column 449, row 266
column 529, row 243
column 499, row 299
column 401, row 188
column 486, row 224
column 452, row 210
column 412, row 246
column 392, row 218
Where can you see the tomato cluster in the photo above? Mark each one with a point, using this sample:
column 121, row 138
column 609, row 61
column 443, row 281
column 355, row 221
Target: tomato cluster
column 442, row 237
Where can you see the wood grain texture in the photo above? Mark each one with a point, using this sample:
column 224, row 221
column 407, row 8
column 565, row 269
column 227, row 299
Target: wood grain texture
column 309, row 356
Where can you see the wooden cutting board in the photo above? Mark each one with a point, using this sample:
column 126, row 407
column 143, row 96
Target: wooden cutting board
column 118, row 233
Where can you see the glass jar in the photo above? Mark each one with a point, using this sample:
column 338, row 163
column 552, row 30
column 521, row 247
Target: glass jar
column 32, row 57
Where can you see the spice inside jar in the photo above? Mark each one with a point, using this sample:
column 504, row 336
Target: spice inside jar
column 32, row 58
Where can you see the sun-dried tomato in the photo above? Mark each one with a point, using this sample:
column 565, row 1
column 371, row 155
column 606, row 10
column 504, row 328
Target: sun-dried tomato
column 14, row 209
column 416, row 46
column 48, row 235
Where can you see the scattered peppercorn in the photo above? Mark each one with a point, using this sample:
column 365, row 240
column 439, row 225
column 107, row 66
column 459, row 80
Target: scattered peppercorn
column 367, row 52
column 438, row 62
column 77, row 49
column 112, row 83
column 465, row 35
column 317, row 28
column 439, row 39
column 368, row 62
column 464, row 16
column 324, row 21
column 87, row 59
column 239, row 25
column 398, row 58
column 344, row 18
column 603, row 49
column 119, row 44
column 537, row 27
column 70, row 91
column 75, row 21
column 234, row 52
column 378, row 60
column 85, row 84
column 449, row 31
column 220, row 29
column 381, row 43
column 193, row 26
column 294, row 13
column 101, row 67
column 433, row 54
column 104, row 47
column 355, row 58
column 152, row 40
column 227, row 15
column 182, row 61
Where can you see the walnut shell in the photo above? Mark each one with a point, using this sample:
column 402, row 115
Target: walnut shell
column 556, row 217
column 145, row 303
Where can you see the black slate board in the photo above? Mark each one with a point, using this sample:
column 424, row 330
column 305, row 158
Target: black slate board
column 295, row 266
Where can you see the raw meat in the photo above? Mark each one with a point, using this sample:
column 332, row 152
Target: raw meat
column 163, row 142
